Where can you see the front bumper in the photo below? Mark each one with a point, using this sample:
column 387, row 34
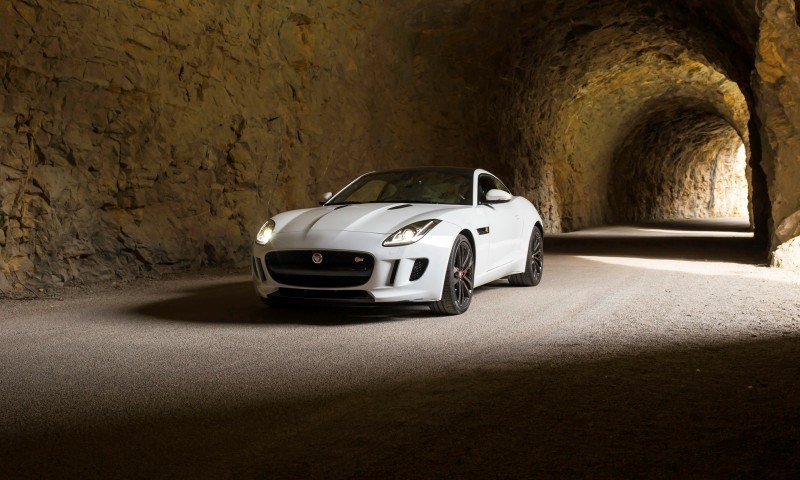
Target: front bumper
column 391, row 275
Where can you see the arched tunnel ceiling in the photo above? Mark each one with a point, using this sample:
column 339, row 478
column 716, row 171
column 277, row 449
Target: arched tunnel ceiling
column 575, row 75
column 679, row 162
column 146, row 136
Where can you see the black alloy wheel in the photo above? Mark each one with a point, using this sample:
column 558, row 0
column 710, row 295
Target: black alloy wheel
column 534, row 266
column 459, row 281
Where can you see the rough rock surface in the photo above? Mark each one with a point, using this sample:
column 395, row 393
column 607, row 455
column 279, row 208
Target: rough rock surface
column 142, row 136
column 661, row 170
column 589, row 76
column 778, row 87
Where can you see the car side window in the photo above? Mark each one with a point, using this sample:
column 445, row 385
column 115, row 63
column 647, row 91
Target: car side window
column 488, row 182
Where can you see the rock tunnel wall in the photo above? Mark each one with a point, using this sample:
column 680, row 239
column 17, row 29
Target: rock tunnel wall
column 585, row 78
column 679, row 165
column 777, row 83
column 143, row 136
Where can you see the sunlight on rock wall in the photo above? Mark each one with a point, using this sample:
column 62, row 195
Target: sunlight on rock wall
column 590, row 76
column 141, row 137
column 778, row 92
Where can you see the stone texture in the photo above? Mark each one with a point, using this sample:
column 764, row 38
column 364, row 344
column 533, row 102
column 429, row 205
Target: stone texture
column 778, row 107
column 679, row 165
column 141, row 136
column 787, row 255
column 586, row 78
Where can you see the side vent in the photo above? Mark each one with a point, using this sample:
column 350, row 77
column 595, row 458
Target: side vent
column 259, row 270
column 393, row 276
column 418, row 270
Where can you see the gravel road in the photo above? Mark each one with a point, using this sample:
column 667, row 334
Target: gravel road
column 646, row 352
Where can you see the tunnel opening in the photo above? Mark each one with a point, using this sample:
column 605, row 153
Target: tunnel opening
column 687, row 164
column 634, row 113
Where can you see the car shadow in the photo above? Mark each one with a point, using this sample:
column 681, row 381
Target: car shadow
column 237, row 303
column 709, row 411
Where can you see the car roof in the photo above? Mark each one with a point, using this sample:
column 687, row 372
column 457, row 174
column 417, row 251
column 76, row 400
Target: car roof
column 455, row 170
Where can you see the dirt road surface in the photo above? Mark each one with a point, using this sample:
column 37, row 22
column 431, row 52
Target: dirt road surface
column 663, row 351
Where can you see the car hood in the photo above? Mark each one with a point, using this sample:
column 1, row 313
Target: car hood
column 367, row 218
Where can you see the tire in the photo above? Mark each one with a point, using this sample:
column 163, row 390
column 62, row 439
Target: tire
column 459, row 280
column 534, row 263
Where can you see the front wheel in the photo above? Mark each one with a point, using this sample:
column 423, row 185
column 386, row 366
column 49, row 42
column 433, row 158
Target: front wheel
column 534, row 262
column 459, row 280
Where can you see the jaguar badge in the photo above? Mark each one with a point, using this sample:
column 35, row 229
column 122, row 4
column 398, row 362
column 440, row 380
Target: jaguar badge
column 316, row 258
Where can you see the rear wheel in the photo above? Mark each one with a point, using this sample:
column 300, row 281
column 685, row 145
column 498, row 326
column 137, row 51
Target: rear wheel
column 459, row 281
column 534, row 265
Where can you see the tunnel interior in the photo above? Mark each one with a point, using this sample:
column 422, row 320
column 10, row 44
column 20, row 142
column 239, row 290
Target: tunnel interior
column 684, row 164
column 137, row 139
column 603, row 102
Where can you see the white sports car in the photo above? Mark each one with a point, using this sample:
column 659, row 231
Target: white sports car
column 424, row 235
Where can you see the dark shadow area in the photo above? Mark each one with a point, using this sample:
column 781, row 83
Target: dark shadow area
column 717, row 411
column 722, row 226
column 237, row 303
column 663, row 240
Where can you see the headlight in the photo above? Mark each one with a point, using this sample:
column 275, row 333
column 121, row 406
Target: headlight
column 265, row 234
column 410, row 233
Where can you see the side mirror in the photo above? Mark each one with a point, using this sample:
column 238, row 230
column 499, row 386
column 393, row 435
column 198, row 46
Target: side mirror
column 327, row 196
column 498, row 196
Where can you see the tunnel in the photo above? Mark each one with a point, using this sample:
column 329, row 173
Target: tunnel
column 147, row 149
column 143, row 139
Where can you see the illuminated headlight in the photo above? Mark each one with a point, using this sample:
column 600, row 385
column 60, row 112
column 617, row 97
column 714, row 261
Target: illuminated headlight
column 265, row 233
column 410, row 233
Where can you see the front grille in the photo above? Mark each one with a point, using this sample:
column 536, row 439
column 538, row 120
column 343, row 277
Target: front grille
column 418, row 270
column 336, row 269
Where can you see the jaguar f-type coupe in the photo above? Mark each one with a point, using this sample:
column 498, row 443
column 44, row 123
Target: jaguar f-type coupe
column 423, row 235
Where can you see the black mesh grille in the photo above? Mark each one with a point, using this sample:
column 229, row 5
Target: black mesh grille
column 336, row 269
column 418, row 270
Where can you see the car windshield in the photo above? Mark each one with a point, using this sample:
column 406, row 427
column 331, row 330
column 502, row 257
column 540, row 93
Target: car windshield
column 409, row 186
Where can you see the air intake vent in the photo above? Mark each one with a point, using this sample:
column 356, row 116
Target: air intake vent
column 418, row 270
column 259, row 270
column 398, row 207
column 393, row 276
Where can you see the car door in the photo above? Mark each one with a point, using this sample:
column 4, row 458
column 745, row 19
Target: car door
column 503, row 223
